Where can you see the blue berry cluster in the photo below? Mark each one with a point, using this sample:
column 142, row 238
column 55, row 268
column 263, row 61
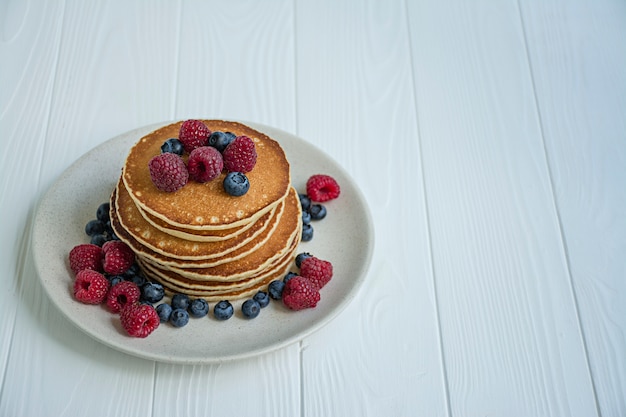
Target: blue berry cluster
column 252, row 306
column 99, row 229
column 220, row 140
column 181, row 308
column 310, row 212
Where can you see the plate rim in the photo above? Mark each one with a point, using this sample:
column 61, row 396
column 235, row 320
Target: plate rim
column 271, row 131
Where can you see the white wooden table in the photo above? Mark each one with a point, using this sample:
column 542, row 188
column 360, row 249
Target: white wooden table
column 488, row 137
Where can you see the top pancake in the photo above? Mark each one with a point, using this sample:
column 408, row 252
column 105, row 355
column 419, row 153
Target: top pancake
column 206, row 206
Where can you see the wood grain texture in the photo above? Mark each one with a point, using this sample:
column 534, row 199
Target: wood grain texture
column 382, row 355
column 265, row 385
column 237, row 62
column 24, row 102
column 93, row 72
column 111, row 77
column 585, row 142
column 507, row 313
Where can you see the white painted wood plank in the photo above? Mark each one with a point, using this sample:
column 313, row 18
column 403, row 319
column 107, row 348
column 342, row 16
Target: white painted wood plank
column 382, row 355
column 578, row 61
column 512, row 341
column 110, row 59
column 236, row 61
column 266, row 385
column 29, row 41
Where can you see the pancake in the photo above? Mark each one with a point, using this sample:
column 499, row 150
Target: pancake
column 289, row 228
column 194, row 235
column 172, row 249
column 216, row 291
column 199, row 240
column 236, row 267
column 206, row 206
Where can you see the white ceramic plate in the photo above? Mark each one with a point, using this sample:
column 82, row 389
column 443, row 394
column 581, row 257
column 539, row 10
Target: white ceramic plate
column 345, row 237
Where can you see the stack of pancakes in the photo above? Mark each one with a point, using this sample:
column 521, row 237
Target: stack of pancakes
column 199, row 240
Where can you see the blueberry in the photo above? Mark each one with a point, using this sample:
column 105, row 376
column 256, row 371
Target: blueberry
column 98, row 239
column 318, row 211
column 181, row 301
column 198, row 307
column 164, row 311
column 307, row 232
column 172, row 145
column 179, row 317
column 102, row 213
column 223, row 310
column 262, row 298
column 301, row 257
column 305, row 201
column 94, row 227
column 306, row 217
column 275, row 289
column 236, row 184
column 108, row 228
column 138, row 279
column 132, row 271
column 115, row 279
column 250, row 308
column 288, row 276
column 220, row 140
column 152, row 292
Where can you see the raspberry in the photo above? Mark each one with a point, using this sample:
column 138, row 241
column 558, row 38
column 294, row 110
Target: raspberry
column 86, row 256
column 139, row 320
column 299, row 293
column 118, row 257
column 205, row 163
column 168, row 172
column 90, row 287
column 321, row 187
column 240, row 155
column 317, row 271
column 192, row 134
column 126, row 292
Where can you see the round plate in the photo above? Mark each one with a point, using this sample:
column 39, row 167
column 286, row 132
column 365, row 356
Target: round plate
column 345, row 237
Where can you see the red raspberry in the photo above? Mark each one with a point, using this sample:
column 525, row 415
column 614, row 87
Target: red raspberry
column 240, row 155
column 316, row 270
column 321, row 187
column 90, row 287
column 139, row 320
column 192, row 134
column 299, row 293
column 121, row 294
column 168, row 172
column 118, row 257
column 205, row 164
column 86, row 256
